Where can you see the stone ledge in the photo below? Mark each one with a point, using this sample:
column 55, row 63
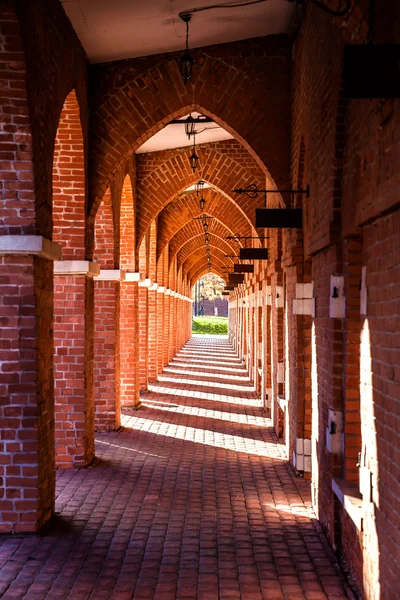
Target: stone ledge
column 111, row 275
column 350, row 497
column 76, row 267
column 28, row 245
column 132, row 277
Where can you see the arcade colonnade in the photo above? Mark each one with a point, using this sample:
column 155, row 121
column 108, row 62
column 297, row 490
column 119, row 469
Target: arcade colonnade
column 100, row 247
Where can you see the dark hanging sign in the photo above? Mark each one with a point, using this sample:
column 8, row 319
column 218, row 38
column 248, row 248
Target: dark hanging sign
column 371, row 71
column 229, row 287
column 279, row 217
column 225, row 293
column 243, row 268
column 236, row 278
column 253, row 253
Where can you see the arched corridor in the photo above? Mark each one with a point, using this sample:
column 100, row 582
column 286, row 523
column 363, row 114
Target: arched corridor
column 144, row 146
column 192, row 499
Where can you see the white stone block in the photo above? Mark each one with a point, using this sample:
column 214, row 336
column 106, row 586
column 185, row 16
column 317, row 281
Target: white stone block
column 25, row 245
column 337, row 306
column 304, row 290
column 111, row 275
column 76, row 267
column 280, row 373
column 363, row 292
column 303, row 306
column 279, row 296
column 132, row 277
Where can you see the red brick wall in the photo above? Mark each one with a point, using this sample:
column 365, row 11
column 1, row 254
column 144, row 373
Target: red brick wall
column 261, row 91
column 26, row 391
column 69, row 182
column 17, row 200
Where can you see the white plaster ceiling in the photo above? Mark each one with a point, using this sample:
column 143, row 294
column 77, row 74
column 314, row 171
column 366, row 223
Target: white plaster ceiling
column 116, row 29
column 173, row 136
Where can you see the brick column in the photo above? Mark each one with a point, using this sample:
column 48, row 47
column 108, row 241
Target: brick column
column 152, row 333
column 27, row 466
column 143, row 321
column 129, row 346
column 171, row 326
column 160, row 328
column 166, row 328
column 107, row 402
column 73, row 362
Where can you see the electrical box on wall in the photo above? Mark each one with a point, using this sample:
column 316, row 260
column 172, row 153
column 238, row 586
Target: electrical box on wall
column 280, row 373
column 363, row 292
column 337, row 300
column 302, row 455
column 334, row 431
column 304, row 303
column 268, row 295
column 279, row 296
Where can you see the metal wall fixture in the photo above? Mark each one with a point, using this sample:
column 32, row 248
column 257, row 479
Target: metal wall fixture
column 253, row 253
column 276, row 218
column 243, row 268
column 193, row 158
column 199, row 186
column 186, row 61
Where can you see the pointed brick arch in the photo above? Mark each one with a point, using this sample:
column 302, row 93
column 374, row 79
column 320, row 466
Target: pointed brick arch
column 197, row 245
column 194, row 229
column 179, row 213
column 104, row 250
column 221, row 169
column 200, row 253
column 142, row 95
column 68, row 181
column 202, row 270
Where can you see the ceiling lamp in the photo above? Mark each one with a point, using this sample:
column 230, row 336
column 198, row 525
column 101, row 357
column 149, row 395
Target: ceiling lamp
column 186, row 60
column 190, row 127
column 199, row 186
column 202, row 204
column 194, row 159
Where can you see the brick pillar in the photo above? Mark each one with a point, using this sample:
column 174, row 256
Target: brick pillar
column 143, row 321
column 107, row 353
column 129, row 346
column 73, row 362
column 152, row 334
column 160, row 329
column 27, row 468
column 171, row 328
column 166, row 329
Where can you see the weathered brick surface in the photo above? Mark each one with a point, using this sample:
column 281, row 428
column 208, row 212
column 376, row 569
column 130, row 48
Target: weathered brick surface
column 17, row 199
column 73, row 369
column 107, row 355
column 26, row 395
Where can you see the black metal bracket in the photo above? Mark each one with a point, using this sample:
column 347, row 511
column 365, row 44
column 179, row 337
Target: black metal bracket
column 246, row 237
column 252, row 191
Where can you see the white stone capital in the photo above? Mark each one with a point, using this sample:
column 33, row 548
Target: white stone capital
column 132, row 277
column 76, row 267
column 111, row 275
column 27, row 245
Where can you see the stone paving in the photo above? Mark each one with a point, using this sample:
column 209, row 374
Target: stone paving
column 192, row 499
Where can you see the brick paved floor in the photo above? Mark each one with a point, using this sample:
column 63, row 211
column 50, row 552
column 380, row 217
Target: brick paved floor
column 192, row 499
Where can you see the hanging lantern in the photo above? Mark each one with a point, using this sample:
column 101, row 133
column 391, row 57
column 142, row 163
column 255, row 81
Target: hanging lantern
column 186, row 61
column 202, row 204
column 194, row 159
column 190, row 127
column 199, row 186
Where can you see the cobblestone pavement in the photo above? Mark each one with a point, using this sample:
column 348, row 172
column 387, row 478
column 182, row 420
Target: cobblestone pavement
column 192, row 499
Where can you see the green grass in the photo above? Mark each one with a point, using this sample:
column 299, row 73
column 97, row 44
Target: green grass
column 210, row 325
